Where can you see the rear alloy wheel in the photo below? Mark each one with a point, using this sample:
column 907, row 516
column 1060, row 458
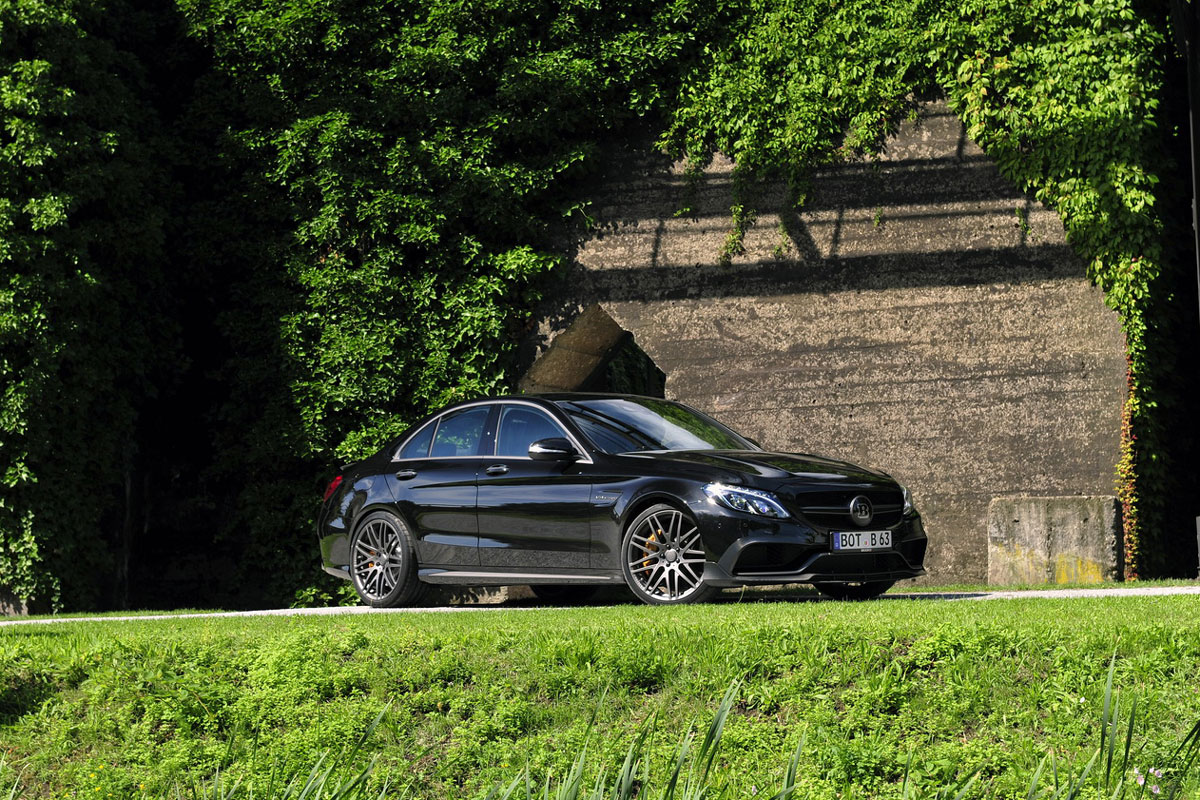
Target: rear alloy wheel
column 863, row 590
column 383, row 566
column 564, row 594
column 664, row 558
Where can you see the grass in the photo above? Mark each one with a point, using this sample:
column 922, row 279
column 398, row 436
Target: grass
column 896, row 699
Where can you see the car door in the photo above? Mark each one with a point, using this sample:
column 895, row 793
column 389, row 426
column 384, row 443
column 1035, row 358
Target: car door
column 532, row 513
column 434, row 484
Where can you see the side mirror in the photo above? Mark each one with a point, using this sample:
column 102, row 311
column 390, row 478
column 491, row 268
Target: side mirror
column 553, row 449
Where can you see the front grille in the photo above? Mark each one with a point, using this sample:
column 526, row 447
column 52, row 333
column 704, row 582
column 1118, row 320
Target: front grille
column 831, row 508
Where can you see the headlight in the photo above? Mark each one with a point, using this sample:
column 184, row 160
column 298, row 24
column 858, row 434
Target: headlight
column 749, row 501
column 908, row 503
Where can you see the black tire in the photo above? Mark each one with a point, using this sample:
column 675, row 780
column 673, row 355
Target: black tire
column 383, row 562
column 662, row 558
column 564, row 594
column 864, row 590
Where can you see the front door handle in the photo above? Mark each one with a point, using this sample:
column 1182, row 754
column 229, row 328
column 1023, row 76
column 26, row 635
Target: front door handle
column 496, row 469
column 406, row 474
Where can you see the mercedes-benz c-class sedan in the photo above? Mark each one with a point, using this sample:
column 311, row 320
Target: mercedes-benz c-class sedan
column 569, row 492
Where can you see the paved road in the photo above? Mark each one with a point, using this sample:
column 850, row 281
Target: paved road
column 1148, row 591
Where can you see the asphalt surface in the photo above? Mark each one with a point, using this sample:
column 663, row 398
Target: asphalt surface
column 1148, row 591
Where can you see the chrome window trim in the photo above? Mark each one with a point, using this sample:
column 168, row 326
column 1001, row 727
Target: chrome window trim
column 585, row 456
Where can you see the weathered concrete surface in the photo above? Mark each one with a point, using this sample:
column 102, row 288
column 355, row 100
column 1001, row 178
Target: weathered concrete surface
column 919, row 314
column 1053, row 540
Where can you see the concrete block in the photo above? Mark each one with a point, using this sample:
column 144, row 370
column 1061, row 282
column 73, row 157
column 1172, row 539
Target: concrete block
column 1053, row 540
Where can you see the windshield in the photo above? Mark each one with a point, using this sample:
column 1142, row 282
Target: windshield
column 629, row 424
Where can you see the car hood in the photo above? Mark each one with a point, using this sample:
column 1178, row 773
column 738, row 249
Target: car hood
column 777, row 466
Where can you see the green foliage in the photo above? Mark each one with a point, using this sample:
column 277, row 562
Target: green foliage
column 299, row 227
column 81, row 256
column 420, row 148
column 884, row 700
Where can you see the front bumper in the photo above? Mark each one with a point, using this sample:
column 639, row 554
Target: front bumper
column 744, row 552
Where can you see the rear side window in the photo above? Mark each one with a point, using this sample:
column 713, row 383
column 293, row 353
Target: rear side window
column 418, row 446
column 459, row 433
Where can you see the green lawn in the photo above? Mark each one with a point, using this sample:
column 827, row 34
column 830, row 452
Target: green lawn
column 472, row 699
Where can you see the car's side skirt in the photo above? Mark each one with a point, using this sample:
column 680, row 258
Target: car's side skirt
column 476, row 577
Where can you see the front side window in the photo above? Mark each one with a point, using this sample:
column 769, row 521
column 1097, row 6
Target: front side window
column 459, row 433
column 521, row 426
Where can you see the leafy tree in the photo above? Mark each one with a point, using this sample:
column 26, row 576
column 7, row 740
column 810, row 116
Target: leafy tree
column 85, row 338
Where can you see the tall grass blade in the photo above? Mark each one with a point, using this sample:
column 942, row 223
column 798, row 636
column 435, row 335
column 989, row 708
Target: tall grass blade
column 1189, row 748
column 1037, row 777
column 966, row 787
column 680, row 757
column 1072, row 788
column 793, row 769
column 626, row 783
column 1112, row 666
column 513, row 785
column 12, row 792
column 570, row 789
column 712, row 739
column 362, row 740
column 1123, row 769
column 1112, row 739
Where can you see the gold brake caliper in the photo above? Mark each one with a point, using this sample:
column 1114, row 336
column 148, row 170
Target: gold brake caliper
column 651, row 548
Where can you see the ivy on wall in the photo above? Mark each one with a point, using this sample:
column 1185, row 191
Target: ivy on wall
column 332, row 217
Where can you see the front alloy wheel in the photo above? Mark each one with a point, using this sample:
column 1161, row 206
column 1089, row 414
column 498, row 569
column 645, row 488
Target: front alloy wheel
column 382, row 564
column 664, row 559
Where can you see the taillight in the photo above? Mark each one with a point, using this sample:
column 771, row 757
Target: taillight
column 332, row 487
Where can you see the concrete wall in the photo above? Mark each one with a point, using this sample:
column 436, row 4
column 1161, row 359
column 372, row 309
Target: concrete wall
column 918, row 314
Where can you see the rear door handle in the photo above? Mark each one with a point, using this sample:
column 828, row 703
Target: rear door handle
column 496, row 469
column 406, row 474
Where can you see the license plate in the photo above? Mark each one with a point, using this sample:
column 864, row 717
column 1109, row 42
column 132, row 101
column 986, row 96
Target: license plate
column 861, row 540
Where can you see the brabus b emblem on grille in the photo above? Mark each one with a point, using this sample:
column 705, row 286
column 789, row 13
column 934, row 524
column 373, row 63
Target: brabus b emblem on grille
column 861, row 511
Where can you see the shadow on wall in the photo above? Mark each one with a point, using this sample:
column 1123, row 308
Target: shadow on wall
column 905, row 223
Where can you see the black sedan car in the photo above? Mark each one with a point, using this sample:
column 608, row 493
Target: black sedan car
column 568, row 492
